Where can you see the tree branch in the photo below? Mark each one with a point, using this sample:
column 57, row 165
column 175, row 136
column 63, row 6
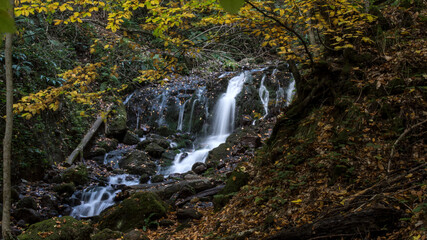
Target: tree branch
column 289, row 29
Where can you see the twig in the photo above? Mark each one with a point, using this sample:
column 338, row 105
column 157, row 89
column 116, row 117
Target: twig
column 399, row 139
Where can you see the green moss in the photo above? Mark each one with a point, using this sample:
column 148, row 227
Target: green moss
column 107, row 234
column 236, row 180
column 133, row 212
column 78, row 175
column 63, row 228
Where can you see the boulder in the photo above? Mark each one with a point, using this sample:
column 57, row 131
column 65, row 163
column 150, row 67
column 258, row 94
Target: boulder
column 65, row 189
column 27, row 202
column 63, row 228
column 133, row 212
column 29, row 215
column 237, row 179
column 109, row 144
column 138, row 162
column 78, row 175
column 116, row 122
column 154, row 150
column 144, row 178
column 153, row 139
column 130, row 138
column 199, row 167
column 157, row 178
column 95, row 152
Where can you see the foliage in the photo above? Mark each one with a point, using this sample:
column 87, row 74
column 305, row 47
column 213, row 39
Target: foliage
column 6, row 21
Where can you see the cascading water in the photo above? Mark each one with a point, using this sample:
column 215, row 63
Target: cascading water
column 290, row 92
column 223, row 125
column 161, row 107
column 181, row 115
column 199, row 95
column 95, row 200
column 264, row 96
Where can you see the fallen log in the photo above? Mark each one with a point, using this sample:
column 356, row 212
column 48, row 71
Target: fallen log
column 372, row 221
column 79, row 149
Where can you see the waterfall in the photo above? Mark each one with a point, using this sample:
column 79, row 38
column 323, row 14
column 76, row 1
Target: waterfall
column 162, row 105
column 264, row 96
column 199, row 98
column 223, row 126
column 94, row 200
column 181, row 115
column 290, row 91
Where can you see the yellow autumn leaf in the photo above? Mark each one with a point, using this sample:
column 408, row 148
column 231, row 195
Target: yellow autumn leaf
column 297, row 201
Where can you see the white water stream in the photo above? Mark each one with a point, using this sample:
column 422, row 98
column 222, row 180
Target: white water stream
column 223, row 126
column 264, row 95
column 94, row 200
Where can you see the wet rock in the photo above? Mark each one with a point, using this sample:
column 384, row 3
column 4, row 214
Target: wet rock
column 27, row 202
column 138, row 162
column 165, row 131
column 78, row 175
column 167, row 158
column 58, row 229
column 154, row 150
column 188, row 213
column 30, row 216
column 199, row 168
column 133, row 212
column 130, row 138
column 157, row 178
column 107, row 234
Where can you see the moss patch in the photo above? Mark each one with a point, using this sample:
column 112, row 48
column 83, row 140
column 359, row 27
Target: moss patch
column 133, row 212
column 63, row 228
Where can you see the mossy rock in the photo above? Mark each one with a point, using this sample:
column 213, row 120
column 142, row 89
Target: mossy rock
column 130, row 138
column 66, row 188
column 236, row 180
column 116, row 122
column 133, row 212
column 154, row 150
column 165, row 131
column 27, row 202
column 63, row 228
column 109, row 144
column 220, row 200
column 78, row 175
column 138, row 162
column 107, row 234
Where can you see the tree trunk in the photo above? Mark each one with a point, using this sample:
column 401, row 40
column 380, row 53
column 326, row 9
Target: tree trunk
column 7, row 141
column 79, row 149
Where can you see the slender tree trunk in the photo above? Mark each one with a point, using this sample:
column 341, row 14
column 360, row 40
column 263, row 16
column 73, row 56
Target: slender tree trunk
column 7, row 141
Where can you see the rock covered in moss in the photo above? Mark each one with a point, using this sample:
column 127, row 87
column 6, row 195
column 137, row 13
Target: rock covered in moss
column 66, row 189
column 78, row 175
column 27, row 202
column 116, row 122
column 134, row 212
column 138, row 162
column 154, row 150
column 237, row 179
column 63, row 228
column 130, row 138
column 106, row 234
column 135, row 234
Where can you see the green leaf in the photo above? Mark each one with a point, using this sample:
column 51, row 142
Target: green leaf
column 232, row 6
column 7, row 24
